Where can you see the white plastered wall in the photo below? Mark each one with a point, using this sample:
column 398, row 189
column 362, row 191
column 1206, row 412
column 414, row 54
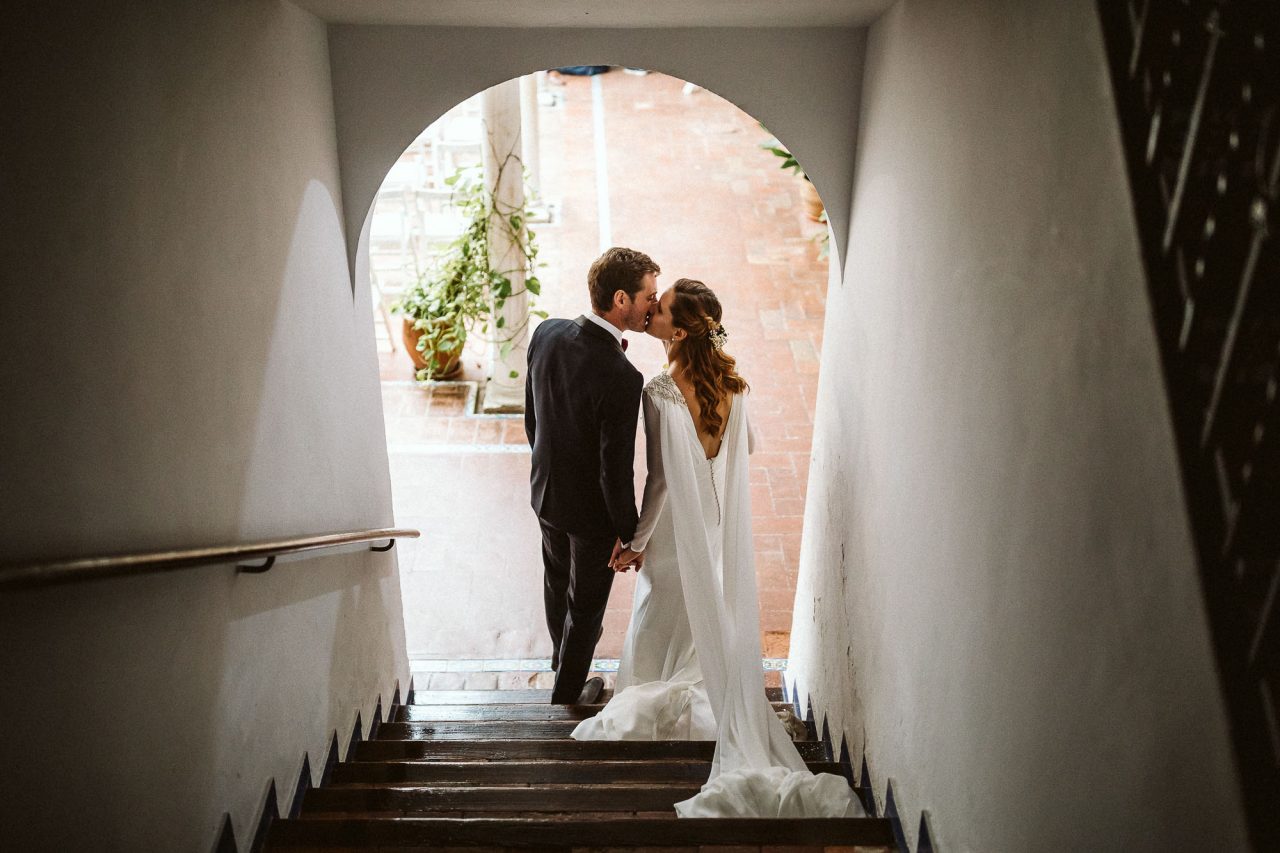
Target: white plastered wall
column 998, row 601
column 801, row 83
column 184, row 363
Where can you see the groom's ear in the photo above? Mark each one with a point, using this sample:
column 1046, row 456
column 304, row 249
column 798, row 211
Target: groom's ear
column 620, row 299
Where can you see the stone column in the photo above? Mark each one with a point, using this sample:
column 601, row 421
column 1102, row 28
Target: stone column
column 529, row 131
column 504, row 179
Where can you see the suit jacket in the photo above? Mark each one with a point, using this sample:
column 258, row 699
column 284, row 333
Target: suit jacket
column 582, row 401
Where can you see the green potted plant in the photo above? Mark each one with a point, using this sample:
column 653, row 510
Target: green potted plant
column 463, row 289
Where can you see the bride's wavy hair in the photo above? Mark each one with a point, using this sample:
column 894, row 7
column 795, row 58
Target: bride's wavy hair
column 713, row 371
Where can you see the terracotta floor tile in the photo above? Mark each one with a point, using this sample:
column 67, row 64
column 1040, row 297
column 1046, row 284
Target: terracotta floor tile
column 771, row 570
column 761, row 499
column 767, row 543
column 513, row 680
column 791, row 546
column 429, row 430
column 775, row 620
column 786, row 489
column 788, row 506
column 776, row 644
column 462, row 430
column 513, row 432
column 490, row 431
column 785, row 525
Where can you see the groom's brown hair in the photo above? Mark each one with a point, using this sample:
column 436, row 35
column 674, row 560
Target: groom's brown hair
column 617, row 269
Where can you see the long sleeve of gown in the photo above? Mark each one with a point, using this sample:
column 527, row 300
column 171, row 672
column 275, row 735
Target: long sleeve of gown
column 655, row 483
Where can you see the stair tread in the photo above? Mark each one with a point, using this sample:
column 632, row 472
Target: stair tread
column 494, row 814
column 534, row 798
column 536, row 771
column 511, row 712
column 544, row 832
column 476, row 730
column 493, row 697
column 559, row 748
column 415, row 785
column 487, row 697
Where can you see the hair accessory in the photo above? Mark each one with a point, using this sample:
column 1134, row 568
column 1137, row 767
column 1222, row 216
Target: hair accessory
column 718, row 336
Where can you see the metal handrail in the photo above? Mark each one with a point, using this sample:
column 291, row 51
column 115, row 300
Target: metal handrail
column 47, row 572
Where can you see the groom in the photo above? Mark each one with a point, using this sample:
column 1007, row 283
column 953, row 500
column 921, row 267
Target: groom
column 582, row 399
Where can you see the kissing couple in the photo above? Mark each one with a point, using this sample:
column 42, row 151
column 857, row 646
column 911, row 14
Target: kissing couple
column 691, row 667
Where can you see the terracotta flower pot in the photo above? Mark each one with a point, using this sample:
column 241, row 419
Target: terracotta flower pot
column 812, row 201
column 447, row 363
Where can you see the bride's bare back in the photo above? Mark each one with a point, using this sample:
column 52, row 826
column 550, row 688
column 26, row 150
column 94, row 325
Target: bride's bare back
column 710, row 441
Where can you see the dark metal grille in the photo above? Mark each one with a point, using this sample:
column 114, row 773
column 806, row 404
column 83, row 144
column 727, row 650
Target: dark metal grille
column 1197, row 86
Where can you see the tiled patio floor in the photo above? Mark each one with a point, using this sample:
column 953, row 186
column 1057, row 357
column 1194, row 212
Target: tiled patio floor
column 689, row 185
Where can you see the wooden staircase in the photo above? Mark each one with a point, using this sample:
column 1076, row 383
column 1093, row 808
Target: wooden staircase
column 497, row 770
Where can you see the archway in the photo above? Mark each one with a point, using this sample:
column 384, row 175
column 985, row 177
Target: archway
column 692, row 185
column 390, row 82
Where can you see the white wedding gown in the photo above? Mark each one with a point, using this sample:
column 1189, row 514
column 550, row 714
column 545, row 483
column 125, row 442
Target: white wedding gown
column 690, row 667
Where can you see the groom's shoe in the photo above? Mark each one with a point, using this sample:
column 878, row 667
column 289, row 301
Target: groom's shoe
column 591, row 691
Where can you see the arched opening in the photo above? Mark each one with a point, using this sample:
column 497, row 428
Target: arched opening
column 638, row 159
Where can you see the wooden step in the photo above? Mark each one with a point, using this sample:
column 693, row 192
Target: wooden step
column 490, row 773
column 496, row 713
column 509, row 712
column 413, row 832
column 520, row 697
column 668, row 814
column 405, row 800
column 478, row 730
column 530, row 730
column 488, row 697
column 562, row 749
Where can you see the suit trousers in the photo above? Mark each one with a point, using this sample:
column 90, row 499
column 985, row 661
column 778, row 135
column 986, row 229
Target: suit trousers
column 575, row 592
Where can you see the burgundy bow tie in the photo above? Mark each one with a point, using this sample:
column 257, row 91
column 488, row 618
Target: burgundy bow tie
column 624, row 344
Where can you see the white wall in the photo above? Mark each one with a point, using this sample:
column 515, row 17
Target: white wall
column 998, row 598
column 390, row 82
column 184, row 363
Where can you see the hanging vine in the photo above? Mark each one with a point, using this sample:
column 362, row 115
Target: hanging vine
column 466, row 289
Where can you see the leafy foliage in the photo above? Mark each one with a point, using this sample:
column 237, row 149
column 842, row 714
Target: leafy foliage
column 465, row 289
column 788, row 159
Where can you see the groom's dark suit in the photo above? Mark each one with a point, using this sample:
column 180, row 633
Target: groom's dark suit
column 582, row 400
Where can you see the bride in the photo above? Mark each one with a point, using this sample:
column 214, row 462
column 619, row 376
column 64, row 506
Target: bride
column 690, row 666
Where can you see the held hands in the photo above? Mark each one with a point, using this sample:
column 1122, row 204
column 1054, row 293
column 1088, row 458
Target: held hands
column 625, row 558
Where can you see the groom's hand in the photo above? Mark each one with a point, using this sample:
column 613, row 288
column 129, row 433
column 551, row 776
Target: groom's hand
column 627, row 559
column 613, row 558
column 615, row 563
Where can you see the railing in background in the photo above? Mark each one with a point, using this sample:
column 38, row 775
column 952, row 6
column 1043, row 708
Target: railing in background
column 1197, row 85
column 49, row 572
